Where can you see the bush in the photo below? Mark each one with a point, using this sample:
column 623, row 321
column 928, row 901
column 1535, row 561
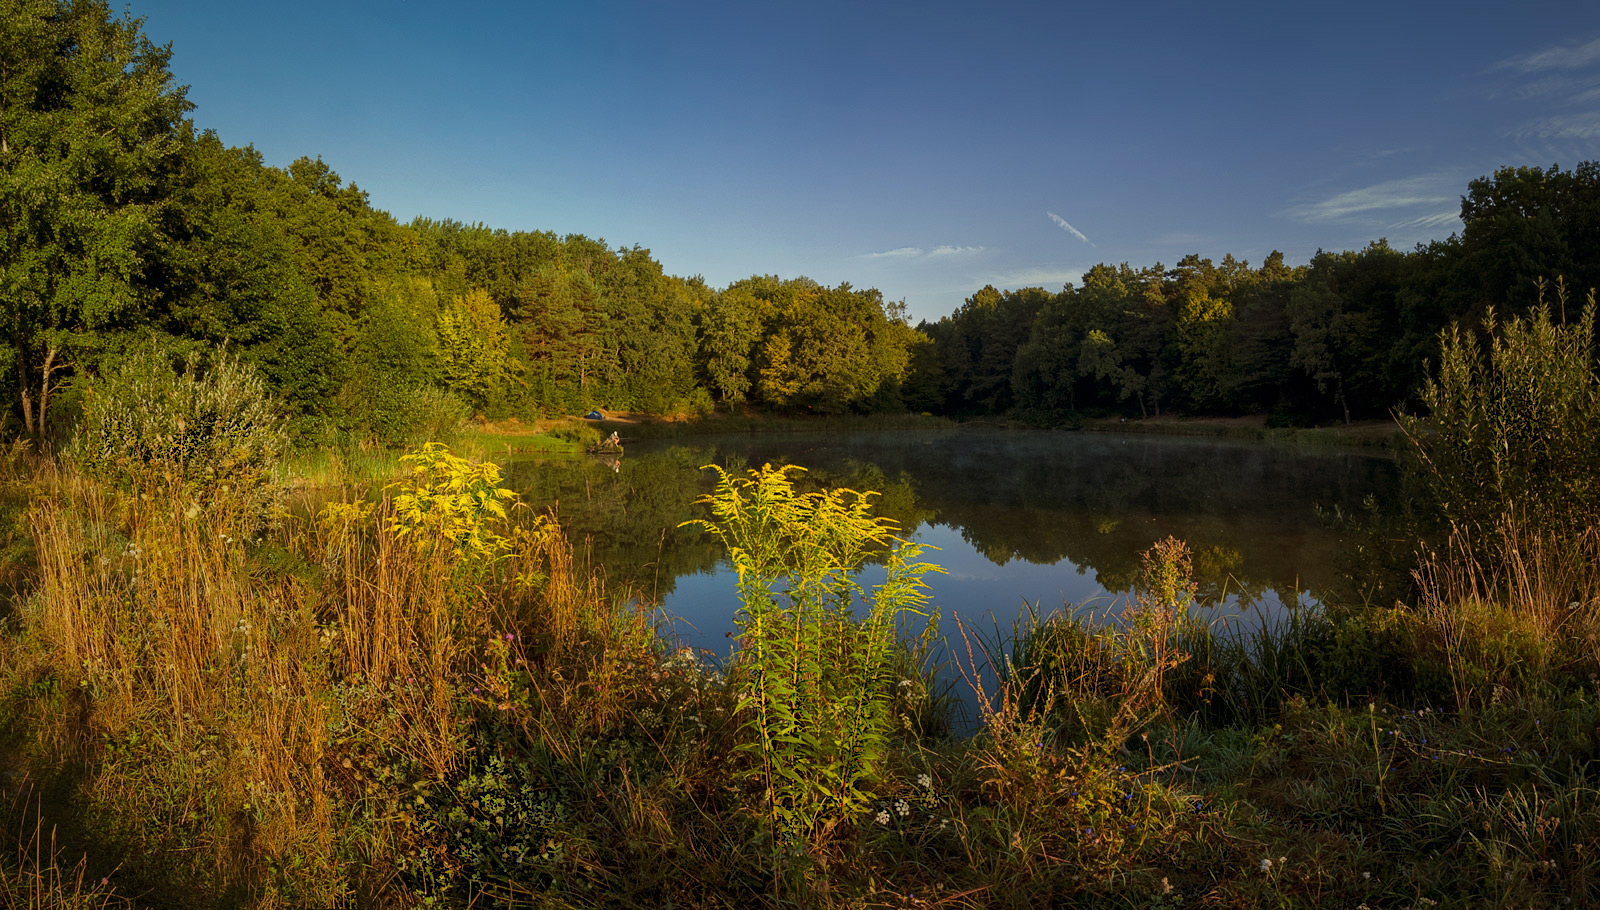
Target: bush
column 1514, row 435
column 209, row 427
column 403, row 415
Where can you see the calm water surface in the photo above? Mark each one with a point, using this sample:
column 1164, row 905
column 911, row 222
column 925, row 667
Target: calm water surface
column 1040, row 517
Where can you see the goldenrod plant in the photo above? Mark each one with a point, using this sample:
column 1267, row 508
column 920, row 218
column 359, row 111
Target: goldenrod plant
column 444, row 499
column 814, row 692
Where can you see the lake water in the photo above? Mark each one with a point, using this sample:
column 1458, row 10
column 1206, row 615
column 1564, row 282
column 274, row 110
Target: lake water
column 1020, row 517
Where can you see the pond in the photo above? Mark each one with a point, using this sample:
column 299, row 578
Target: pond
column 1049, row 518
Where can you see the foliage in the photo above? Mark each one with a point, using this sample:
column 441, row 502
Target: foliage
column 91, row 121
column 1513, row 433
column 472, row 346
column 444, row 500
column 729, row 330
column 212, row 429
column 814, row 692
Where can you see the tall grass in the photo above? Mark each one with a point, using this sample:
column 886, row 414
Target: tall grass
column 35, row 877
column 233, row 695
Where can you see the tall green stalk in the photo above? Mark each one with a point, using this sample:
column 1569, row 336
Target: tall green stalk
column 815, row 697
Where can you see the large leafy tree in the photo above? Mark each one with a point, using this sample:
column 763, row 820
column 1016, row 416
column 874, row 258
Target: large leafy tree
column 473, row 346
column 1525, row 224
column 729, row 331
column 228, row 273
column 91, row 126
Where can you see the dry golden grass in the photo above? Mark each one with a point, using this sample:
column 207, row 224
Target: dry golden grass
column 1533, row 612
column 218, row 704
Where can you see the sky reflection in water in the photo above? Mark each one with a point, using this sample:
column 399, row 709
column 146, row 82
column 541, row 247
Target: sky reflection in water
column 1048, row 518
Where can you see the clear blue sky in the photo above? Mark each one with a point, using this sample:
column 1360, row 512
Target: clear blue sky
column 922, row 148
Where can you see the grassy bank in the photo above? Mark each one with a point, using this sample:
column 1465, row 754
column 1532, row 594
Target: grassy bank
column 719, row 423
column 356, row 707
column 1384, row 434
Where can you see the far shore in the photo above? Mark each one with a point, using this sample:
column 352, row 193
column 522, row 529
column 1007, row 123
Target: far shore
column 530, row 436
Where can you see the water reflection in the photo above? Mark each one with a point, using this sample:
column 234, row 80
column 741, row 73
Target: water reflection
column 1046, row 517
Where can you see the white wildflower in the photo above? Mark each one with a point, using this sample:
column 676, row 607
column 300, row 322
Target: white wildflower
column 883, row 818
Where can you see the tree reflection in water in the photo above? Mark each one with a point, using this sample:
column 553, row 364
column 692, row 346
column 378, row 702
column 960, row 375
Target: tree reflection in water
column 1046, row 517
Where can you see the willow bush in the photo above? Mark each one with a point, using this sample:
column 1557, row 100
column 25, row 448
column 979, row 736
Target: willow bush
column 1513, row 433
column 207, row 425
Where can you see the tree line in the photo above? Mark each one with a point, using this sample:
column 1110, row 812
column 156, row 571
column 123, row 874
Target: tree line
column 1344, row 337
column 122, row 226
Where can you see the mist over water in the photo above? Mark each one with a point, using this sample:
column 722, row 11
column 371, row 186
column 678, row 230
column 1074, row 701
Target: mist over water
column 1020, row 517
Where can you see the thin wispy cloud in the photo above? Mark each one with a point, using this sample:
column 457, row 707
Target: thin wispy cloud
column 1062, row 223
column 1559, row 88
column 917, row 252
column 1571, row 57
column 1381, row 197
column 1033, row 278
column 1429, row 222
column 1573, row 126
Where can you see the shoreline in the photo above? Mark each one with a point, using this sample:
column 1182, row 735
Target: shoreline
column 1369, row 434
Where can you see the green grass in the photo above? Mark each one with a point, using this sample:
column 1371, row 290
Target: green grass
column 500, row 444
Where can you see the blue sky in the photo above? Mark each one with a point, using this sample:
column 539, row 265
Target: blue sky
column 925, row 149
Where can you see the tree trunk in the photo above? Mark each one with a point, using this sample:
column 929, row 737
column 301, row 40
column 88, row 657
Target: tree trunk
column 27, row 399
column 50, row 366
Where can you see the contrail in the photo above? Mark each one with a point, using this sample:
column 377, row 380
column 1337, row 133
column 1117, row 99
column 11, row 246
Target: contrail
column 1062, row 222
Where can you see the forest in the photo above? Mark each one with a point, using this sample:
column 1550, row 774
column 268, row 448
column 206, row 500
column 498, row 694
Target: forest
column 1348, row 336
column 126, row 228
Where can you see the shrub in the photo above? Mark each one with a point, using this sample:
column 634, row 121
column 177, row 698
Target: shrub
column 210, row 427
column 1514, row 434
column 815, row 698
column 443, row 499
column 401, row 414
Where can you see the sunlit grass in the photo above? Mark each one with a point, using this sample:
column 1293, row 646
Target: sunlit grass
column 321, row 712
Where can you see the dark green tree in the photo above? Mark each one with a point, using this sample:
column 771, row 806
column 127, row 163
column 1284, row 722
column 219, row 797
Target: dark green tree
column 91, row 127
